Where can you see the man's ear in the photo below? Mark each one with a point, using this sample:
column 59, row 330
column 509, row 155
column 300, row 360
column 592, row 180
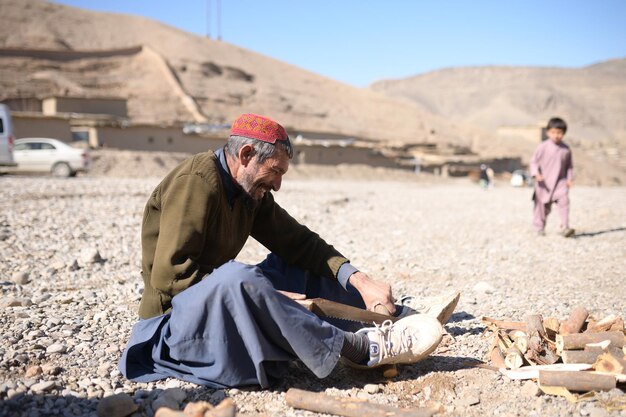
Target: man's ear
column 246, row 153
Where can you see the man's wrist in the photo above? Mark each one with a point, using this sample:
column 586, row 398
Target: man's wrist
column 345, row 272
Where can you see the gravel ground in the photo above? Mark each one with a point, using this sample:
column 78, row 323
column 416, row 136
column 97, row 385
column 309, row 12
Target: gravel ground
column 70, row 285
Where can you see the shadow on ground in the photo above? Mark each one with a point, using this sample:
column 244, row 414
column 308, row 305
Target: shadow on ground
column 599, row 232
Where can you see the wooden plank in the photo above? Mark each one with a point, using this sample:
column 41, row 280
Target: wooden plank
column 577, row 381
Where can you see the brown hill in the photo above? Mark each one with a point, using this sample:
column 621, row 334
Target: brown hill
column 592, row 99
column 176, row 76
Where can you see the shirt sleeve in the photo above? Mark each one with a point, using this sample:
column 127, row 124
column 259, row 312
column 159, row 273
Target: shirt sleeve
column 186, row 206
column 275, row 229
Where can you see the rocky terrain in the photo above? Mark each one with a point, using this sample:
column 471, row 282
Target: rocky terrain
column 70, row 285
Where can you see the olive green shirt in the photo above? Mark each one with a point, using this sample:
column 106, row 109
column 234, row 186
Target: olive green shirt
column 190, row 228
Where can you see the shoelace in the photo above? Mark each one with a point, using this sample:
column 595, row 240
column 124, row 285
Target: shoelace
column 407, row 300
column 385, row 329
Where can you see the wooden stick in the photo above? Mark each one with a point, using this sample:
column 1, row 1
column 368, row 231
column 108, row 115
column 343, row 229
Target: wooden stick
column 538, row 348
column 520, row 340
column 504, row 324
column 575, row 321
column 602, row 325
column 613, row 362
column 580, row 356
column 532, row 372
column 349, row 407
column 599, row 347
column 618, row 326
column 497, row 358
column 577, row 381
column 578, row 341
column 552, row 326
column 514, row 358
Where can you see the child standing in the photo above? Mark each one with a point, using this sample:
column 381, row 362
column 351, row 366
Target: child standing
column 551, row 167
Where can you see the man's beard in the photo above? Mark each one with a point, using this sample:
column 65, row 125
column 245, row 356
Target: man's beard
column 249, row 188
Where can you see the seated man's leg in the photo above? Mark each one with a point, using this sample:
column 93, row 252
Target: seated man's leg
column 291, row 278
column 234, row 329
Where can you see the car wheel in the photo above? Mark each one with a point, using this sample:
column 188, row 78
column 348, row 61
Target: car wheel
column 61, row 169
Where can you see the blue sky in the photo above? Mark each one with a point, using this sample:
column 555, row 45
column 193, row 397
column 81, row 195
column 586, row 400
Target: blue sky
column 359, row 42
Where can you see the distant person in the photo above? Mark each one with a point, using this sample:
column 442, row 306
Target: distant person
column 210, row 320
column 485, row 177
column 553, row 171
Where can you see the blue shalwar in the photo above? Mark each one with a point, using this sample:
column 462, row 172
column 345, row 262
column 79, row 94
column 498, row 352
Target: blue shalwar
column 233, row 328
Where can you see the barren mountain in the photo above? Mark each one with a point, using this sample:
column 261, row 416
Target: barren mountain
column 592, row 99
column 169, row 75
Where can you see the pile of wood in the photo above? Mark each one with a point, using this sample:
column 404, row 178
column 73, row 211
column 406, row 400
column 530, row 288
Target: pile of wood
column 579, row 353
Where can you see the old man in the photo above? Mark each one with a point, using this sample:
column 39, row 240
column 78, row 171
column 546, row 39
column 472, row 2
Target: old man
column 208, row 319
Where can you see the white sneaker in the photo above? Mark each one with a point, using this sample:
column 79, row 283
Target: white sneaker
column 440, row 308
column 408, row 340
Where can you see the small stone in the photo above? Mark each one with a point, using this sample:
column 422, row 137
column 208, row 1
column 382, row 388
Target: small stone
column 484, row 288
column 56, row 348
column 371, row 388
column 43, row 386
column 218, row 396
column 50, row 369
column 468, row 398
column 20, row 278
column 33, row 371
column 598, row 412
column 119, row 405
column 74, row 266
column 91, row 256
column 178, row 394
column 530, row 389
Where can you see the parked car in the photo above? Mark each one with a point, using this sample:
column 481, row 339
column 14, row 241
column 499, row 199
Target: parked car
column 6, row 137
column 50, row 155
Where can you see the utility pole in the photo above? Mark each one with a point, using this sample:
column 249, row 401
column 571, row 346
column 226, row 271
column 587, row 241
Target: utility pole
column 208, row 19
column 219, row 20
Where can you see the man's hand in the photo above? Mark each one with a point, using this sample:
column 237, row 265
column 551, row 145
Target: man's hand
column 539, row 178
column 373, row 292
column 569, row 183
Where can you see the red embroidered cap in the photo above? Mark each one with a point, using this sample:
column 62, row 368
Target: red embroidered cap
column 258, row 127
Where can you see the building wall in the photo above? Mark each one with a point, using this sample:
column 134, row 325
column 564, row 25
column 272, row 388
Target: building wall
column 334, row 155
column 55, row 105
column 152, row 138
column 29, row 127
column 529, row 133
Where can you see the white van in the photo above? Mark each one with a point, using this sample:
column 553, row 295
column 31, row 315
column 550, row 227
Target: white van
column 6, row 137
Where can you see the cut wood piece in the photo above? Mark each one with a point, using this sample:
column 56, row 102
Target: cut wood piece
column 513, row 358
column 577, row 381
column 578, row 341
column 575, row 321
column 613, row 362
column 598, row 347
column 538, row 348
column 520, row 340
column 496, row 357
column 618, row 326
column 552, row 326
column 349, row 407
column 504, row 324
column 602, row 325
column 532, row 372
column 580, row 356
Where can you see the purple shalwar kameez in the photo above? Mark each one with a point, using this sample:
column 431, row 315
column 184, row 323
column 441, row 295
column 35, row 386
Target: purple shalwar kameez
column 553, row 161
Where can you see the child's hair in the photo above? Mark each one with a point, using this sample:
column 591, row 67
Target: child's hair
column 557, row 123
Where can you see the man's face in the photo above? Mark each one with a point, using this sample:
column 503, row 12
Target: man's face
column 555, row 135
column 258, row 178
